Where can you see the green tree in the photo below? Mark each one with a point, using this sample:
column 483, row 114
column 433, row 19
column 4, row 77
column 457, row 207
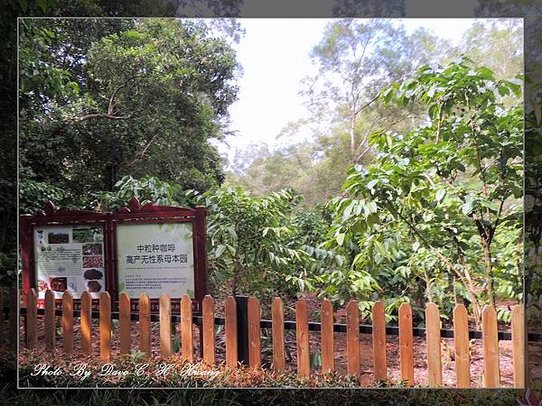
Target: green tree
column 451, row 186
column 497, row 44
column 355, row 60
column 292, row 167
column 142, row 98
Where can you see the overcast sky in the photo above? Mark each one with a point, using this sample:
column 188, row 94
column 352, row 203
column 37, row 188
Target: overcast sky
column 274, row 54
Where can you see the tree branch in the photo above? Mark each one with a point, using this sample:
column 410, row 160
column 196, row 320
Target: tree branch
column 446, row 261
column 367, row 104
column 102, row 115
column 117, row 89
column 142, row 152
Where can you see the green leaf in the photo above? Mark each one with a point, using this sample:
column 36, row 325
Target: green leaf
column 220, row 250
column 469, row 206
column 441, row 193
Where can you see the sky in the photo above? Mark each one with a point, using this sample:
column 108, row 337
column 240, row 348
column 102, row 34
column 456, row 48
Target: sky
column 274, row 54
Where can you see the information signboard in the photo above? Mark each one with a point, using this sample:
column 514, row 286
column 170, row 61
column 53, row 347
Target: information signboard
column 138, row 249
column 155, row 259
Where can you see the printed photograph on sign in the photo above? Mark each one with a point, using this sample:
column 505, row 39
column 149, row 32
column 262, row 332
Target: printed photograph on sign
column 155, row 259
column 69, row 258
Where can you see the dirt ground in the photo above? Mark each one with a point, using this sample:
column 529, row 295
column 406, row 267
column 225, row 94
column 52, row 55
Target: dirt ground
column 366, row 379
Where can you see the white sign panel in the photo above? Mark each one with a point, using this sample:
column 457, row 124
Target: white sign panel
column 155, row 259
column 69, row 258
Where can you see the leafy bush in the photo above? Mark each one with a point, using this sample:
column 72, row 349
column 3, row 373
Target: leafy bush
column 250, row 248
column 437, row 215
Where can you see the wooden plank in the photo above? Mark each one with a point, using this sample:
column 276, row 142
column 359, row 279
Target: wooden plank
column 67, row 322
column 165, row 325
column 31, row 319
column 434, row 364
column 187, row 340
column 14, row 318
column 254, row 351
column 328, row 358
column 86, row 323
column 105, row 326
column 208, row 329
column 461, row 344
column 379, row 342
column 49, row 320
column 352, row 339
column 406, row 352
column 302, row 338
column 231, row 332
column 518, row 345
column 145, row 325
column 490, row 344
column 277, row 332
column 125, row 324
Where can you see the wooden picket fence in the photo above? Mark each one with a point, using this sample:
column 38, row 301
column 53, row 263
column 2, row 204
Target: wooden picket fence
column 490, row 338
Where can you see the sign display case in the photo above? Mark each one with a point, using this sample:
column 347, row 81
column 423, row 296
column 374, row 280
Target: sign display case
column 138, row 249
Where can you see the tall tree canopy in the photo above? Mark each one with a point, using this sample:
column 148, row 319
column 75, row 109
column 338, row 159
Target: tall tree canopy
column 137, row 97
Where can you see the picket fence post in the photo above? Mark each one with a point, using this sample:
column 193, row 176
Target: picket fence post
column 326, row 334
column 379, row 342
column 31, row 319
column 165, row 325
column 254, row 351
column 518, row 344
column 145, row 325
column 490, row 344
column 105, row 327
column 231, row 332
column 432, row 337
column 67, row 321
column 352, row 339
column 49, row 320
column 187, row 343
column 277, row 332
column 302, row 338
column 208, row 330
column 406, row 352
column 461, row 344
column 125, row 330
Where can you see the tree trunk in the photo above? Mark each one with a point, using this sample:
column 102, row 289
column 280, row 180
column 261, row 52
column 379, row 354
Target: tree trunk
column 489, row 272
column 353, row 137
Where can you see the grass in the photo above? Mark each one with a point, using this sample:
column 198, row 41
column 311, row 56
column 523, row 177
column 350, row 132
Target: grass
column 10, row 395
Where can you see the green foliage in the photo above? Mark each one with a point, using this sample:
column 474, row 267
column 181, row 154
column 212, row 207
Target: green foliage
column 298, row 166
column 249, row 242
column 133, row 98
column 147, row 189
column 440, row 202
column 355, row 59
column 34, row 195
column 497, row 44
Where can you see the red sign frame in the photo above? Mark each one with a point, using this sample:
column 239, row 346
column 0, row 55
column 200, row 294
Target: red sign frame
column 134, row 214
